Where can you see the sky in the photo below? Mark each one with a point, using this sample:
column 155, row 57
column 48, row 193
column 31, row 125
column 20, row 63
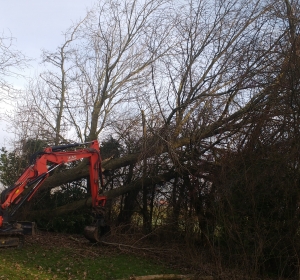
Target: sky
column 37, row 25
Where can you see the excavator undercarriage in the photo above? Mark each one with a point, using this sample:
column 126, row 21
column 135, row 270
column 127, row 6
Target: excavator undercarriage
column 13, row 234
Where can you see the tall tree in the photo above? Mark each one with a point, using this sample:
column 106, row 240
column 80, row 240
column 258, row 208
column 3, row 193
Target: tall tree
column 102, row 64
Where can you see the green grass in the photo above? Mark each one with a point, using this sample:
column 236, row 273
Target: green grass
column 36, row 262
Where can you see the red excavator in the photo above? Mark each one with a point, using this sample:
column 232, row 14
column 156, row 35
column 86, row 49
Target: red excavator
column 12, row 232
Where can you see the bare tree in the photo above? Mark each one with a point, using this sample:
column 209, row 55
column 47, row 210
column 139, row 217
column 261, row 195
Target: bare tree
column 58, row 93
column 11, row 61
column 45, row 100
column 103, row 63
column 118, row 46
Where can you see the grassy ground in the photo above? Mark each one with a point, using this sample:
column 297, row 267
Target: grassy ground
column 65, row 257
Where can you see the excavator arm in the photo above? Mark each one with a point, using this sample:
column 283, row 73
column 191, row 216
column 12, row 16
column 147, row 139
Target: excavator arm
column 12, row 198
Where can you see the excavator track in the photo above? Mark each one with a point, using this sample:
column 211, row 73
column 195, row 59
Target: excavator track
column 13, row 234
column 11, row 240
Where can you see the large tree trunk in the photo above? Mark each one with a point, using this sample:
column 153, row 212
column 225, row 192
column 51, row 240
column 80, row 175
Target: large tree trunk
column 131, row 187
column 157, row 147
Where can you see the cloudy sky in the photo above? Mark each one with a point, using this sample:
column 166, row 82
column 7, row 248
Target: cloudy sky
column 37, row 25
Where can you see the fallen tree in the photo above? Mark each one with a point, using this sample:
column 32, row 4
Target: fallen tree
column 224, row 126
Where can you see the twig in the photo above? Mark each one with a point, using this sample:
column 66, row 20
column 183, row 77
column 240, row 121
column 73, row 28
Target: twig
column 126, row 245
